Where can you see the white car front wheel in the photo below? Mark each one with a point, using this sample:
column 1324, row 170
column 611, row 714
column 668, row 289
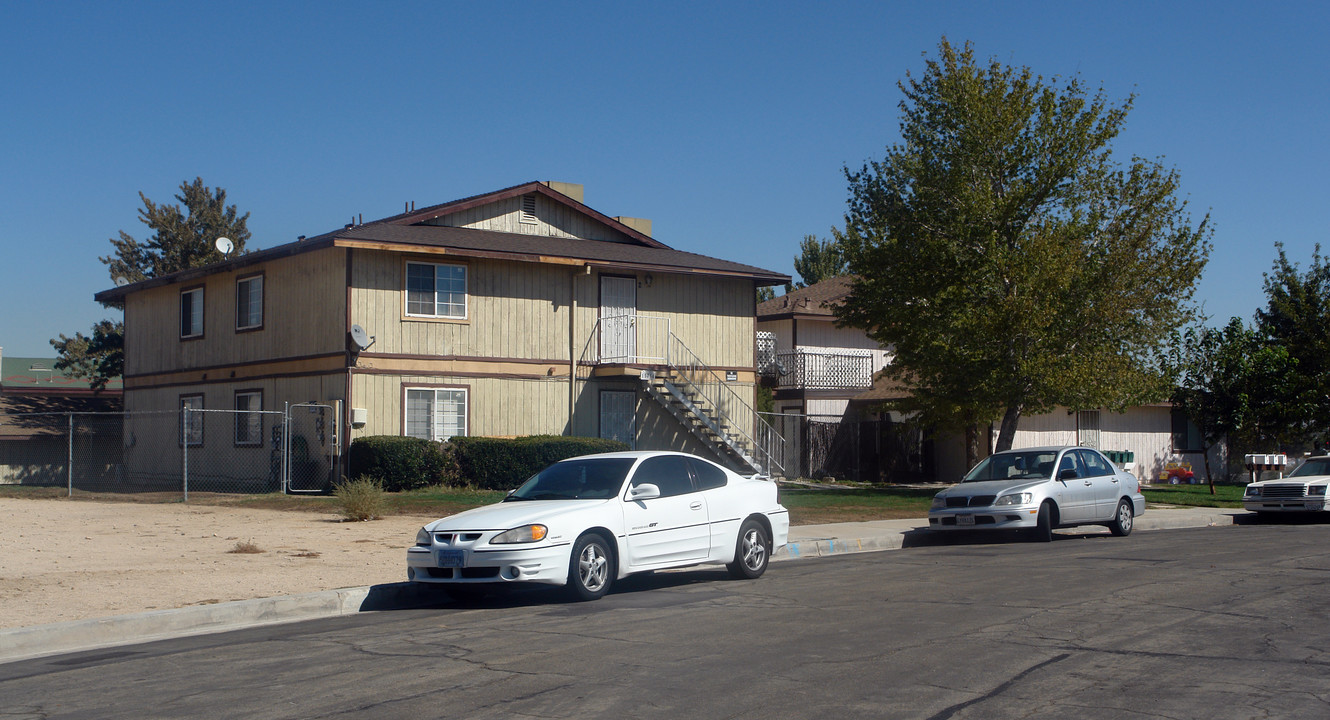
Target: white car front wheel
column 590, row 568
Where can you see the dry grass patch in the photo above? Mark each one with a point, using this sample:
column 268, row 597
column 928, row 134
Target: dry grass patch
column 360, row 499
column 245, row 547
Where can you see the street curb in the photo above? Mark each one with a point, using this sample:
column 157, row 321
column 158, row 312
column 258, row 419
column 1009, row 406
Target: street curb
column 81, row 635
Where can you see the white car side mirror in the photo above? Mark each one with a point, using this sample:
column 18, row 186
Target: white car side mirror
column 645, row 491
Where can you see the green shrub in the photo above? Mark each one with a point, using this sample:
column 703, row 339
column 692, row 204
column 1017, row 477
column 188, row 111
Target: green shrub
column 400, row 463
column 503, row 464
column 360, row 499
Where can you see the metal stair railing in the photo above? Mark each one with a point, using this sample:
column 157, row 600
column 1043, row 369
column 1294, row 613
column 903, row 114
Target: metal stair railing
column 768, row 454
column 768, row 445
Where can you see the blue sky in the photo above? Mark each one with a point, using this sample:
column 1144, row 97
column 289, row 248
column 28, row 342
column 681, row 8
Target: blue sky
column 727, row 124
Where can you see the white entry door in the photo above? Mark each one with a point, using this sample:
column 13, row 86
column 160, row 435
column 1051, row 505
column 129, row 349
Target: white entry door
column 618, row 315
column 616, row 415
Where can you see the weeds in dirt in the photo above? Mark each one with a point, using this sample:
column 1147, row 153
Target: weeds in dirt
column 360, row 499
column 245, row 547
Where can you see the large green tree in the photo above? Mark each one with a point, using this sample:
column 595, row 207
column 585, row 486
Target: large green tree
column 1011, row 262
column 183, row 238
column 1296, row 318
column 1240, row 388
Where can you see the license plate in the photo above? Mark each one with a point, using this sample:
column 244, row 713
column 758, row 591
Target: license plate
column 451, row 559
column 964, row 519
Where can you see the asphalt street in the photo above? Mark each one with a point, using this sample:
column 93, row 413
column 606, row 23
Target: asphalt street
column 1219, row 622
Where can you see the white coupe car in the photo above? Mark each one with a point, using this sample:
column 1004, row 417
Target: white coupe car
column 1039, row 489
column 587, row 521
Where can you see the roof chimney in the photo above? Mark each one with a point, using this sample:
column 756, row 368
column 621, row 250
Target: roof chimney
column 572, row 190
column 641, row 225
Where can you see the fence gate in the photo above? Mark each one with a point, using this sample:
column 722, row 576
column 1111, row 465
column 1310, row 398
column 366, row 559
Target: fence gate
column 311, row 449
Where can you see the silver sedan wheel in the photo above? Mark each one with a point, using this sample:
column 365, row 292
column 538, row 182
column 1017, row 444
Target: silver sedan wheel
column 1125, row 518
column 593, row 567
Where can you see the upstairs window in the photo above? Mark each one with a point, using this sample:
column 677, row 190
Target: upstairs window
column 249, row 303
column 436, row 290
column 191, row 313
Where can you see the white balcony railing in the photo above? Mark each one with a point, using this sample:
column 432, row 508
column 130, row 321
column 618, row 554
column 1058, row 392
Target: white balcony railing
column 809, row 370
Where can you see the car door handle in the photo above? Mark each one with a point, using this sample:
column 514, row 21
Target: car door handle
column 1087, row 482
column 1115, row 480
column 697, row 505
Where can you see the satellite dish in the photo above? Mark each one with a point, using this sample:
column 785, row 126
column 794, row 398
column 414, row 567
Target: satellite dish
column 120, row 280
column 225, row 246
column 360, row 339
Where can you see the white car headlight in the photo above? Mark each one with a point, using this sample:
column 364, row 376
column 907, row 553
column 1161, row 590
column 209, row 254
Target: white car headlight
column 938, row 503
column 1015, row 499
column 524, row 534
column 423, row 537
column 1253, row 491
column 1316, row 490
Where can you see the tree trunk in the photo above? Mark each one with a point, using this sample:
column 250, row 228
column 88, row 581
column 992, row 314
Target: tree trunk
column 1205, row 453
column 1007, row 434
column 971, row 445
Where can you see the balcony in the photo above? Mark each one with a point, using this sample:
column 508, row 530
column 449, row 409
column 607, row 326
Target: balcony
column 812, row 370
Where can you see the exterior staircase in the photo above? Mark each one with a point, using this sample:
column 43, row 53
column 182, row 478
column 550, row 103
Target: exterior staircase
column 708, row 407
column 697, row 396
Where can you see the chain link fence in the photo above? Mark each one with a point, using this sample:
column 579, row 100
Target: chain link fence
column 190, row 450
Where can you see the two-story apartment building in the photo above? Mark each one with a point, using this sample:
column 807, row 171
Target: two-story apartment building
column 516, row 312
column 827, row 374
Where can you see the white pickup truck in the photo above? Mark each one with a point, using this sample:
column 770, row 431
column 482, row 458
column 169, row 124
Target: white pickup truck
column 1303, row 490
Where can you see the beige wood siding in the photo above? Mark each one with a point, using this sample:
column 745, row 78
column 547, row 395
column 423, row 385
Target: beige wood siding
column 552, row 219
column 514, row 310
column 304, row 313
column 713, row 316
column 496, row 407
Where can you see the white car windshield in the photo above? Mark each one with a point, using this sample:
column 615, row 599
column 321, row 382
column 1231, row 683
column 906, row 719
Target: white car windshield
column 591, row 479
column 1315, row 466
column 1032, row 465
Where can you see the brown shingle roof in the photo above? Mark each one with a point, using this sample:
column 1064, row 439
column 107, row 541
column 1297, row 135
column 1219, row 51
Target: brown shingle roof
column 816, row 299
column 641, row 251
column 490, row 242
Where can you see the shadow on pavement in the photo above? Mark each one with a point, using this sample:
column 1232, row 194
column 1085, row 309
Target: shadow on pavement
column 415, row 596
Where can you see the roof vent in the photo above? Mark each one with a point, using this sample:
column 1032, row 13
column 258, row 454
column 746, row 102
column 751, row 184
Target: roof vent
column 529, row 209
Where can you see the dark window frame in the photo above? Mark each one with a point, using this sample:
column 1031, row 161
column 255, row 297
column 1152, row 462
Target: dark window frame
column 202, row 297
column 263, row 299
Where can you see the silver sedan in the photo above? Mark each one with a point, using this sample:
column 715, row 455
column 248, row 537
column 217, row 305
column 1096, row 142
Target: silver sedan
column 1039, row 489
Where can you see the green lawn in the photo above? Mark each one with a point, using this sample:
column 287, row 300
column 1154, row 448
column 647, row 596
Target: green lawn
column 814, row 506
column 1226, row 496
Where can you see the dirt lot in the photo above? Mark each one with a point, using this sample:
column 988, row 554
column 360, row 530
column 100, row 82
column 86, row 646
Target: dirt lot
column 64, row 560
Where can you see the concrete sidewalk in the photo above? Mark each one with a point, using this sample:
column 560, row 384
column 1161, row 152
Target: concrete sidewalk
column 806, row 541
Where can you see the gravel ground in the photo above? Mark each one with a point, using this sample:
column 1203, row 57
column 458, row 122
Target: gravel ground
column 64, row 560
